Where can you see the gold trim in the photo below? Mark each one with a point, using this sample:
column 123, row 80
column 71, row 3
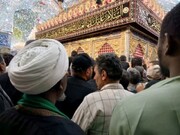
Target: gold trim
column 103, row 19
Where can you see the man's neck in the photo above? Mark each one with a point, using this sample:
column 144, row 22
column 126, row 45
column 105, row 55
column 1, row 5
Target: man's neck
column 81, row 77
column 175, row 68
column 109, row 82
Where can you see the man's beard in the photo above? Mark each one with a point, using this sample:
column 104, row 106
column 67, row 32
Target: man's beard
column 62, row 97
column 164, row 70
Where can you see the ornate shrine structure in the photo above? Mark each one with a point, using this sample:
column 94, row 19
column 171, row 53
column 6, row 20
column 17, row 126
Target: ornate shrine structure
column 118, row 26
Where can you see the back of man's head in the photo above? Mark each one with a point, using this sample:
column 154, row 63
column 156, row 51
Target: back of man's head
column 81, row 63
column 111, row 64
column 134, row 75
column 171, row 23
column 125, row 79
column 154, row 73
column 137, row 61
column 141, row 71
column 169, row 43
column 123, row 58
column 74, row 53
column 7, row 58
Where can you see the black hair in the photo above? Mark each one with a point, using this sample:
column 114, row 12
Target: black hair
column 141, row 70
column 123, row 58
column 134, row 76
column 124, row 79
column 111, row 64
column 137, row 61
column 74, row 53
column 81, row 62
column 7, row 58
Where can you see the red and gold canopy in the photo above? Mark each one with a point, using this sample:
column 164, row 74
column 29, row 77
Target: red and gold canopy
column 88, row 17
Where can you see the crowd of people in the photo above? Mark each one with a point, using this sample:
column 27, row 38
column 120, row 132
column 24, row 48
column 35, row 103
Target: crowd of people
column 45, row 92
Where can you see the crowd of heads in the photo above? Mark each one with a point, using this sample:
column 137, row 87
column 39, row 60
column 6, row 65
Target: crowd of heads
column 139, row 73
column 115, row 68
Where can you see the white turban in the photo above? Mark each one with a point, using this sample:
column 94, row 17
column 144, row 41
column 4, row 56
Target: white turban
column 154, row 72
column 38, row 66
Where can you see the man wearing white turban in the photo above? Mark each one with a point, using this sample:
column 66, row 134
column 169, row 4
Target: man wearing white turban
column 39, row 71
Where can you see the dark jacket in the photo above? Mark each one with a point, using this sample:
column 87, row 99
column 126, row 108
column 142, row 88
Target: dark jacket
column 14, row 122
column 150, row 83
column 76, row 90
column 5, row 101
column 11, row 91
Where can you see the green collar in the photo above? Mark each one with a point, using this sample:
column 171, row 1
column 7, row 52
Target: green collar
column 39, row 102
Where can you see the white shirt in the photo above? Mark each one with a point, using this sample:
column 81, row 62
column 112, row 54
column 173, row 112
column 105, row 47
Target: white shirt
column 94, row 113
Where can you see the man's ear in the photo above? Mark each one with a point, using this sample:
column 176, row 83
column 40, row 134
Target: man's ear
column 103, row 75
column 2, row 67
column 170, row 45
column 88, row 71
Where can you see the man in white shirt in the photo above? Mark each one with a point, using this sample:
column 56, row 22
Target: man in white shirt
column 94, row 113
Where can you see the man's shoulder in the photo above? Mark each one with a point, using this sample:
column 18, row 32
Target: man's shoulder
column 155, row 96
column 49, row 124
column 146, row 95
column 4, row 77
column 76, row 81
column 65, row 126
column 99, row 96
column 92, row 98
column 151, row 108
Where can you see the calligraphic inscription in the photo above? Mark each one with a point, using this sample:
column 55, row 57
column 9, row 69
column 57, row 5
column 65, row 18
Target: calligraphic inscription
column 97, row 20
column 147, row 19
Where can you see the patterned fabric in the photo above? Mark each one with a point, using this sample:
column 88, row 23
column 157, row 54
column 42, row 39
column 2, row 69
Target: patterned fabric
column 94, row 113
column 106, row 48
column 139, row 51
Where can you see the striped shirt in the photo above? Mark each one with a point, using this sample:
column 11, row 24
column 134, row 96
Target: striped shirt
column 94, row 113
